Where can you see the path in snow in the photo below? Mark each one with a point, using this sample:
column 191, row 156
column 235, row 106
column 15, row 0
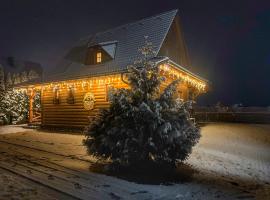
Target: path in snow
column 232, row 161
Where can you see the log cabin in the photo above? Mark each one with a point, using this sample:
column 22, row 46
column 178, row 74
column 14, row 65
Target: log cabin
column 72, row 96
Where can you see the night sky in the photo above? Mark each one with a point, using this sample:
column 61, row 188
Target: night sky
column 228, row 41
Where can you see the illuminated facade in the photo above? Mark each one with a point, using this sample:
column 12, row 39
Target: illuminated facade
column 73, row 96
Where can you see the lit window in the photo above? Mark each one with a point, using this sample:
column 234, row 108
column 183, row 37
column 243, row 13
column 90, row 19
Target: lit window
column 70, row 98
column 99, row 57
column 56, row 97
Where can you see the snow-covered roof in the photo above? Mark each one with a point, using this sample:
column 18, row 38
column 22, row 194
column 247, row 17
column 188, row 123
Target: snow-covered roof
column 130, row 37
column 163, row 31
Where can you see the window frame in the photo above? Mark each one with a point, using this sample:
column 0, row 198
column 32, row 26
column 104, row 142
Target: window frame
column 99, row 57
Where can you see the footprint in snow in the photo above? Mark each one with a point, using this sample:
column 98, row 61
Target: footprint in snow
column 114, row 196
column 106, row 185
column 246, row 197
column 50, row 177
column 77, row 186
column 233, row 183
column 139, row 192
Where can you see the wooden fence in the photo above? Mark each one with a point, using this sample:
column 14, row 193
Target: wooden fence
column 243, row 117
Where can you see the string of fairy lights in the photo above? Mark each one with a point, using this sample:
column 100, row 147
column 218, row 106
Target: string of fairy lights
column 75, row 84
column 165, row 69
column 177, row 74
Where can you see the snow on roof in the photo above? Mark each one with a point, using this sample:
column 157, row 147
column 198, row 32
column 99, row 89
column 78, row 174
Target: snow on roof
column 130, row 37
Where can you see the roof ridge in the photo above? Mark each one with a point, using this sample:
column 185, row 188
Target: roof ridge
column 152, row 16
column 175, row 11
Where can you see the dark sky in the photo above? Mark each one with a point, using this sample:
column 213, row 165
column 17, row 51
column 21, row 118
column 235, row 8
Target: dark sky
column 228, row 41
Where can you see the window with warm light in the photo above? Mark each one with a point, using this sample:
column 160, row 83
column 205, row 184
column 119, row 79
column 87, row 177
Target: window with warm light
column 56, row 97
column 99, row 57
column 70, row 98
column 101, row 53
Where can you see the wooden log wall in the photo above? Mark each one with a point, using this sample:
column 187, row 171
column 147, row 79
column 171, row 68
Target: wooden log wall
column 74, row 115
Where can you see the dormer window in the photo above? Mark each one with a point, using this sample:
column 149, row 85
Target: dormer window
column 99, row 57
column 100, row 53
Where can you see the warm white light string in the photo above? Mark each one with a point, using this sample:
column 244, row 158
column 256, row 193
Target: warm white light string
column 174, row 73
column 165, row 69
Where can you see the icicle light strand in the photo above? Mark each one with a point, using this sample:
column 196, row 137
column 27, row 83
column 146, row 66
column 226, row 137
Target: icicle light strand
column 171, row 72
column 116, row 79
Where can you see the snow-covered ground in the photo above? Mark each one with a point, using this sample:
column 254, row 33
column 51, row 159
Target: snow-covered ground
column 232, row 161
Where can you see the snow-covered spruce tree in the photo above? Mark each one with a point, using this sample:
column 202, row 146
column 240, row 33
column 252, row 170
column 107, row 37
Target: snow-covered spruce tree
column 14, row 105
column 143, row 125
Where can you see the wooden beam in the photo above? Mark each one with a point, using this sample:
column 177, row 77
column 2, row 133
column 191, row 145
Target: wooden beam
column 31, row 104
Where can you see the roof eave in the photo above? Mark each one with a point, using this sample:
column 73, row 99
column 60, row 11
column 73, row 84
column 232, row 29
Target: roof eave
column 168, row 60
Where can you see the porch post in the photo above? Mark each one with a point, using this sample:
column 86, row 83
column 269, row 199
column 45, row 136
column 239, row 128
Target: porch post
column 31, row 100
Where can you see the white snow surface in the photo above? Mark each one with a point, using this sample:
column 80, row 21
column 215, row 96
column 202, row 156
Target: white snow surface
column 14, row 129
column 232, row 162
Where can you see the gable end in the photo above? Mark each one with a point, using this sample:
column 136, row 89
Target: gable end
column 174, row 46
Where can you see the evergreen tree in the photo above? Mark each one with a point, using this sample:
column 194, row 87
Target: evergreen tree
column 14, row 105
column 143, row 125
column 2, row 79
